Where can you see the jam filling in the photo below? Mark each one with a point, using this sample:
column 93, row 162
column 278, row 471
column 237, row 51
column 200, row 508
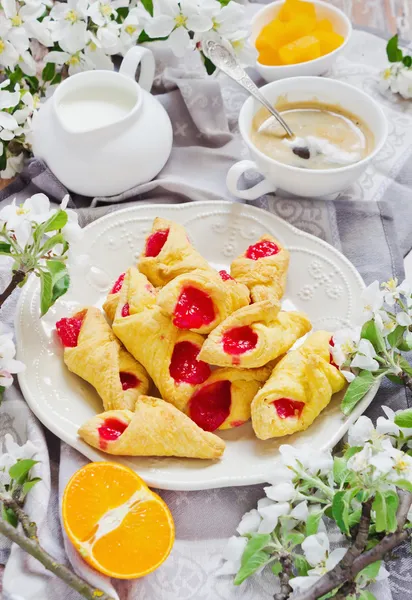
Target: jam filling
column 194, row 309
column 225, row 276
column 209, row 407
column 118, row 285
column 126, row 310
column 155, row 242
column 285, row 407
column 262, row 249
column 237, row 423
column 184, row 366
column 239, row 340
column 332, row 362
column 110, row 430
column 68, row 329
column 128, row 380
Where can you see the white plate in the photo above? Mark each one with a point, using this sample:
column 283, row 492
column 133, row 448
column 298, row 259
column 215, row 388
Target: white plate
column 321, row 282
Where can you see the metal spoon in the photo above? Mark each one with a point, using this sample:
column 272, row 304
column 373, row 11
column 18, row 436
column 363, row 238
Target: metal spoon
column 224, row 60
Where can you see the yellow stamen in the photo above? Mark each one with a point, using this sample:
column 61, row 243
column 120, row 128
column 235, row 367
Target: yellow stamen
column 2, row 46
column 106, row 10
column 16, row 21
column 180, row 20
column 73, row 60
column 130, row 29
column 21, row 210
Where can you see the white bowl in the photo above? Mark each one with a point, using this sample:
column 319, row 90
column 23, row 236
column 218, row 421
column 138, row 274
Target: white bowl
column 318, row 66
column 295, row 180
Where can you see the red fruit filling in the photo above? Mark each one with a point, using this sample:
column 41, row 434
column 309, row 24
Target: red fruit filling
column 332, row 362
column 285, row 407
column 237, row 423
column 225, row 275
column 68, row 329
column 118, row 285
column 210, row 406
column 126, row 310
column 262, row 249
column 155, row 242
column 110, row 430
column 128, row 380
column 239, row 340
column 184, row 366
column 194, row 309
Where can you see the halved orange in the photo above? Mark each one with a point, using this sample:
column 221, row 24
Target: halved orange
column 119, row 526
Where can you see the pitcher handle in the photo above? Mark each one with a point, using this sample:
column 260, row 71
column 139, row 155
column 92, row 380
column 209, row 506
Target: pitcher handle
column 131, row 61
column 235, row 173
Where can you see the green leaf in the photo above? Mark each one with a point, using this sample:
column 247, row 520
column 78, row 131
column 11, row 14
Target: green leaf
column 3, row 160
column 257, row 542
column 209, row 66
column 404, row 418
column 56, row 79
column 392, row 502
column 312, row 522
column 49, row 72
column 381, row 512
column 301, row 564
column 46, row 291
column 61, row 278
column 354, row 517
column 339, row 469
column 370, row 572
column 396, row 336
column 56, row 221
column 352, row 451
column 33, row 83
column 257, row 560
column 365, row 595
column 9, row 516
column 5, row 248
column 356, row 390
column 51, row 242
column 394, row 379
column 404, row 365
column 28, row 485
column 371, row 332
column 340, row 511
column 293, row 539
column 407, row 61
column 148, row 4
column 393, row 52
column 277, row 568
column 404, row 484
column 20, row 470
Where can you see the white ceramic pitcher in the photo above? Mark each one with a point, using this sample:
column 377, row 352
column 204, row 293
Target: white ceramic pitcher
column 102, row 133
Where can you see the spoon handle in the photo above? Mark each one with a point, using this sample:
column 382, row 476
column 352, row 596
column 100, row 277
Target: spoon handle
column 226, row 62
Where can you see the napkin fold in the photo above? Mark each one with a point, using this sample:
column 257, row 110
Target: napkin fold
column 368, row 223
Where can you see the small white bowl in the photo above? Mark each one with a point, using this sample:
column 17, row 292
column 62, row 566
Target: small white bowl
column 318, row 66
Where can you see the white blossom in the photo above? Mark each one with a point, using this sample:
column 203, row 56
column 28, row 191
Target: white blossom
column 270, row 516
column 250, row 522
column 19, row 218
column 398, row 79
column 8, row 364
column 232, row 554
column 365, row 357
column 372, row 300
column 10, row 453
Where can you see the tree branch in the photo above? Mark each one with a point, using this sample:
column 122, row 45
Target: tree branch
column 33, row 548
column 346, row 590
column 18, row 277
column 29, row 527
column 284, row 577
column 405, row 503
column 407, row 379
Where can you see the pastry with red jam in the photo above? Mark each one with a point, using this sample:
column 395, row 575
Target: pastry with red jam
column 155, row 428
column 200, row 300
column 263, row 269
column 92, row 352
column 113, row 296
column 169, row 354
column 168, row 253
column 301, row 386
column 254, row 335
column 223, row 401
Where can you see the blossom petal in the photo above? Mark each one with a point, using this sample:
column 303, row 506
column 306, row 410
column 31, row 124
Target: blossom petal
column 299, row 584
column 7, row 121
column 316, row 548
column 335, row 557
column 250, row 522
column 282, row 492
column 161, row 26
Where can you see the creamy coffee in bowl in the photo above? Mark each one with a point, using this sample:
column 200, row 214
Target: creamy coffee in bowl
column 334, row 136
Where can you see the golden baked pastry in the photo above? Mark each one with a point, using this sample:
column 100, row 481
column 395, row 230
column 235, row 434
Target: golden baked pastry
column 263, row 268
column 223, row 401
column 300, row 387
column 200, row 300
column 254, row 335
column 168, row 353
column 168, row 253
column 113, row 296
column 155, row 428
column 92, row 352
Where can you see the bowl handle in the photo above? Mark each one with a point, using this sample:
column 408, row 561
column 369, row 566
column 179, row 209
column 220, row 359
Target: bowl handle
column 131, row 61
column 235, row 173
